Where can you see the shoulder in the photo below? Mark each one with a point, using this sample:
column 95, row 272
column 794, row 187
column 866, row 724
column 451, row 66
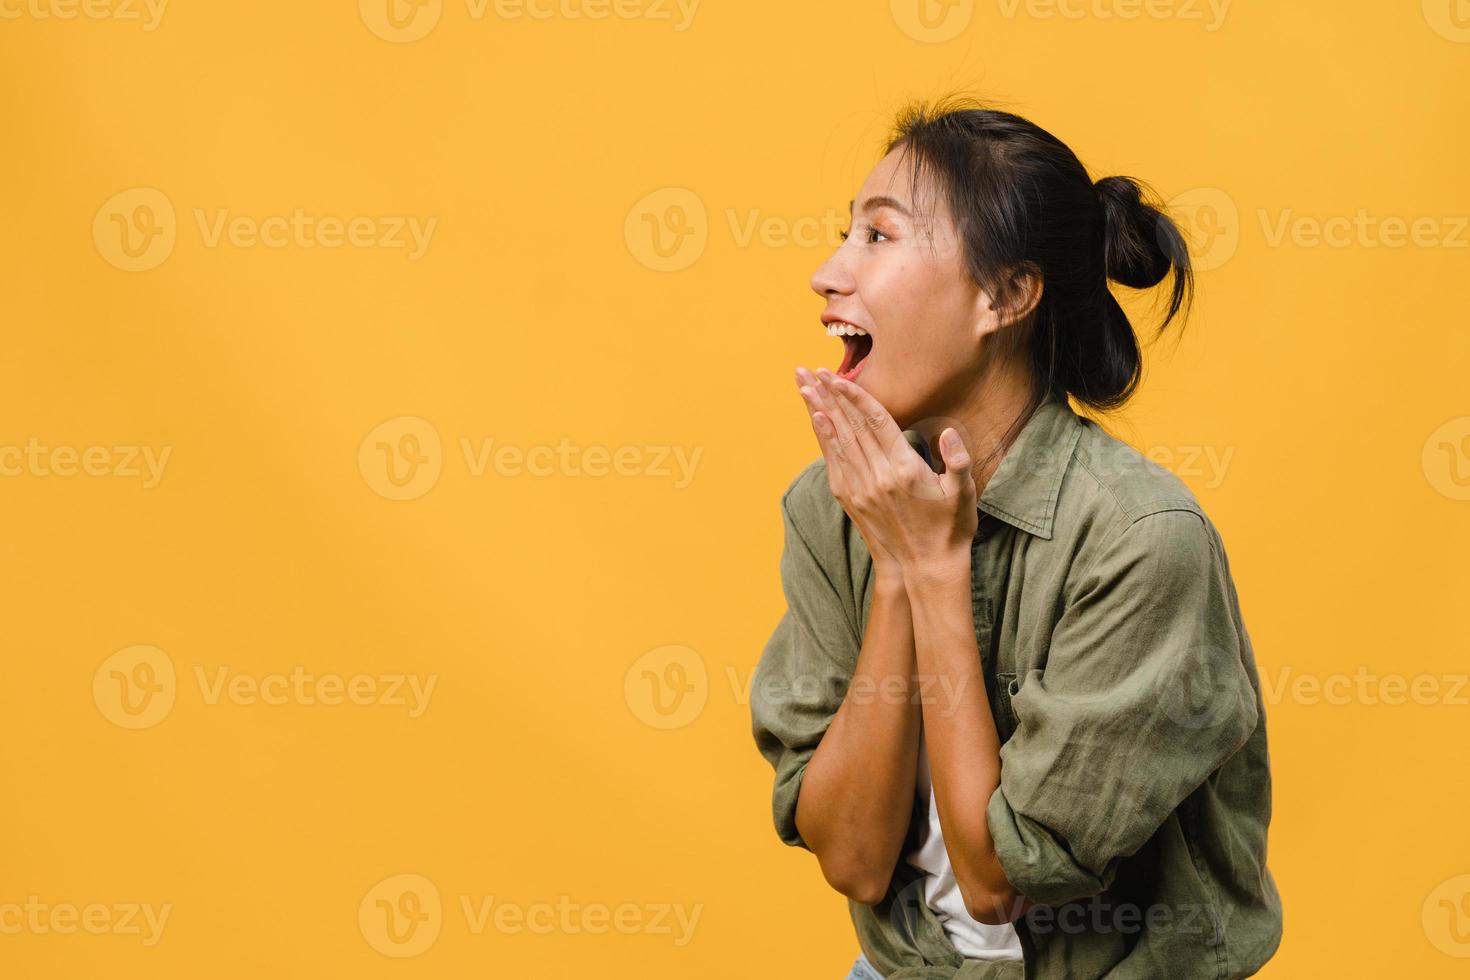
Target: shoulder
column 811, row 513
column 1113, row 486
column 1121, row 482
column 1117, row 502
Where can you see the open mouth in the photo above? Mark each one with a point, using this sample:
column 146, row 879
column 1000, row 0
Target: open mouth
column 857, row 344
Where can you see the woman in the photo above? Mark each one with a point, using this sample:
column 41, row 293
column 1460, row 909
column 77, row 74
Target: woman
column 1011, row 707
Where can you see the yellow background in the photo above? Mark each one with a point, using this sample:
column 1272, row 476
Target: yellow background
column 542, row 769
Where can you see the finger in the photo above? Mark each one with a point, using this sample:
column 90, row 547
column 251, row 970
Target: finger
column 825, row 384
column 859, row 425
column 832, row 450
column 853, row 458
column 957, row 479
column 878, row 433
column 891, row 456
column 811, row 390
column 885, row 430
column 808, row 394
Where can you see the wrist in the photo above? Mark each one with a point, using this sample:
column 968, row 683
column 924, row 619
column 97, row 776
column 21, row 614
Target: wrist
column 938, row 570
column 889, row 577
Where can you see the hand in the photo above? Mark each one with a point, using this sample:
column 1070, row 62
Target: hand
column 920, row 519
column 886, row 567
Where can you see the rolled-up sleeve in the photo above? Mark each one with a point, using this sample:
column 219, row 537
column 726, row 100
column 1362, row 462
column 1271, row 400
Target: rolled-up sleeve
column 807, row 664
column 1144, row 693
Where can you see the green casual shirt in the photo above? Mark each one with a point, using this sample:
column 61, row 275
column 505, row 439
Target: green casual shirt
column 1135, row 787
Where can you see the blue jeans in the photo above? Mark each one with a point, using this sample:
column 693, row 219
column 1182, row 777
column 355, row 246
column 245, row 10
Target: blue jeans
column 863, row 970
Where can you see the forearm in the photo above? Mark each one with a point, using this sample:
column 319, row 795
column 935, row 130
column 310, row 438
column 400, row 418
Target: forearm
column 857, row 792
column 960, row 733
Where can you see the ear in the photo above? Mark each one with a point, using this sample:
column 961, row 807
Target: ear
column 1022, row 288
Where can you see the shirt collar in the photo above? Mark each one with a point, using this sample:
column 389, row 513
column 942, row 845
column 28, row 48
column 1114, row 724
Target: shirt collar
column 1024, row 490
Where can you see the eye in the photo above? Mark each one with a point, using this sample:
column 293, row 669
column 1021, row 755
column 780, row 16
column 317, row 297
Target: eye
column 871, row 232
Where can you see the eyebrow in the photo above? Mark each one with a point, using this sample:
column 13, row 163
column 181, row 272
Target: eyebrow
column 873, row 203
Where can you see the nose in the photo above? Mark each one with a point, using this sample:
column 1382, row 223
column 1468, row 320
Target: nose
column 833, row 277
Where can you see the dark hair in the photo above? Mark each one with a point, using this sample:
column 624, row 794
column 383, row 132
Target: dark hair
column 1023, row 202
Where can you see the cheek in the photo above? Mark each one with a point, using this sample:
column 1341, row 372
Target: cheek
column 911, row 301
column 896, row 289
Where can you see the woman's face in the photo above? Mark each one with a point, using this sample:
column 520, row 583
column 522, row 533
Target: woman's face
column 900, row 275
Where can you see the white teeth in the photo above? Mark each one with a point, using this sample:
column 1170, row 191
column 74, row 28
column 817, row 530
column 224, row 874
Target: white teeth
column 841, row 328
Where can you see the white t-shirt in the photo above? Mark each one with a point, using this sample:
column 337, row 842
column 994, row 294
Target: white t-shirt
column 972, row 938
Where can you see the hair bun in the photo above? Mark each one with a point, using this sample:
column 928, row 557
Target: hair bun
column 1141, row 244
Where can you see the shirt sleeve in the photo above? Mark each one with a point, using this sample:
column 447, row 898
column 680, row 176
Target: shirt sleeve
column 1144, row 694
column 807, row 663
